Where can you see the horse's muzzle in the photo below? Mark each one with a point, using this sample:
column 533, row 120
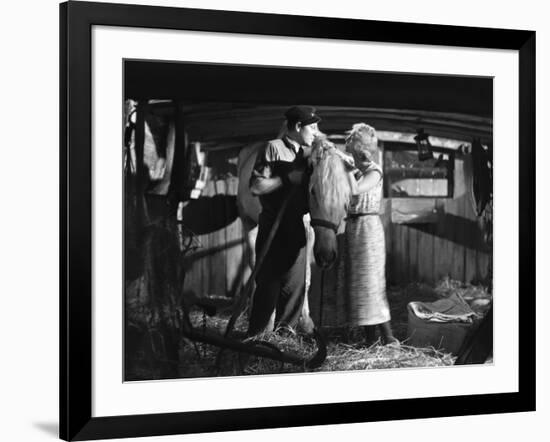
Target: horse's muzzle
column 326, row 262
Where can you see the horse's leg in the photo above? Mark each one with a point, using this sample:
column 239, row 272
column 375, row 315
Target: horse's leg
column 306, row 323
column 251, row 235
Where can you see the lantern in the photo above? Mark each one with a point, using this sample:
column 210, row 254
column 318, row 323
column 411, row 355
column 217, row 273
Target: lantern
column 423, row 145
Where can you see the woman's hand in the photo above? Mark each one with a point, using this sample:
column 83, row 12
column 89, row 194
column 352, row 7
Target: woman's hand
column 348, row 160
column 352, row 181
column 365, row 183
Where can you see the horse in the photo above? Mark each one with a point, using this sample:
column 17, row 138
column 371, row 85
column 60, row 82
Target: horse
column 329, row 192
column 329, row 195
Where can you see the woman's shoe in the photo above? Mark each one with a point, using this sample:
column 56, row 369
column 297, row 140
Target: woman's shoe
column 387, row 336
column 391, row 341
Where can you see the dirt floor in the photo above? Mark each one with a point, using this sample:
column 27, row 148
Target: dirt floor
column 345, row 347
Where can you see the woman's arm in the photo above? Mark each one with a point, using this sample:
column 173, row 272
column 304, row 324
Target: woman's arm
column 365, row 183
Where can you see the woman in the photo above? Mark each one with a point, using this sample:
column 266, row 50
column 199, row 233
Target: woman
column 361, row 272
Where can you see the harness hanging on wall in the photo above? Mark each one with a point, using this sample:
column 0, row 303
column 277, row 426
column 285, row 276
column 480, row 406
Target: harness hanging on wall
column 133, row 266
column 482, row 182
column 197, row 173
column 479, row 344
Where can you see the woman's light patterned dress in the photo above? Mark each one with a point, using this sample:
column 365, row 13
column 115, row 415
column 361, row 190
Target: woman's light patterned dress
column 361, row 287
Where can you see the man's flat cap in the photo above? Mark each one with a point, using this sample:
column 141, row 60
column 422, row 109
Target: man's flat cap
column 302, row 114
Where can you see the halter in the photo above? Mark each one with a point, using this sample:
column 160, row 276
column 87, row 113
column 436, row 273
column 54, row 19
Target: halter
column 323, row 223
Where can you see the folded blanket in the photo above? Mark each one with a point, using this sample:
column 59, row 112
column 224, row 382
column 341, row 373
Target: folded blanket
column 451, row 309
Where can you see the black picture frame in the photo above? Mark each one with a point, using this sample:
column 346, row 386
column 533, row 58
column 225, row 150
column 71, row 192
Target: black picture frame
column 76, row 21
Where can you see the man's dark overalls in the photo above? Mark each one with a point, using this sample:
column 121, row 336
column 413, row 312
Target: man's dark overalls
column 280, row 282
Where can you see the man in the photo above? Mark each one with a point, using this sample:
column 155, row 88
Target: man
column 280, row 171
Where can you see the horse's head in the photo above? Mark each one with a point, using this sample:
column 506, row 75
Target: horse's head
column 329, row 193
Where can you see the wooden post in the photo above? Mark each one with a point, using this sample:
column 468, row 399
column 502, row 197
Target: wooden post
column 139, row 142
column 179, row 168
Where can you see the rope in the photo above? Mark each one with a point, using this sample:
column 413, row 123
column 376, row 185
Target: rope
column 321, row 306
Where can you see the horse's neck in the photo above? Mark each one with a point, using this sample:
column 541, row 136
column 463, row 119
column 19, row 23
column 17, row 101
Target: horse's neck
column 337, row 180
column 247, row 156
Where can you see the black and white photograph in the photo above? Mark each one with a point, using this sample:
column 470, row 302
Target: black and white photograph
column 287, row 220
column 276, row 221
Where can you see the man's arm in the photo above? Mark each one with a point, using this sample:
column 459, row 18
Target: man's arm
column 261, row 185
column 263, row 181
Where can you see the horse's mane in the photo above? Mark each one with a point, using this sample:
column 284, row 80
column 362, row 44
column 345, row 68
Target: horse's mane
column 329, row 180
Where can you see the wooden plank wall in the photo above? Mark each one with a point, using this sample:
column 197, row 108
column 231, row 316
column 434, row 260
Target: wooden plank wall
column 452, row 247
column 415, row 253
column 216, row 267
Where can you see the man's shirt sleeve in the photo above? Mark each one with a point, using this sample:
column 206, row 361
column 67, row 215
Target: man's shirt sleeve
column 263, row 168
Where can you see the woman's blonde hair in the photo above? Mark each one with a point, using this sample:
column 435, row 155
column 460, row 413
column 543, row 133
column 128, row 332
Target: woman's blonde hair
column 362, row 137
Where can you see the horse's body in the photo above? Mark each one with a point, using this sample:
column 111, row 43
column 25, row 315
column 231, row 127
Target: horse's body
column 248, row 205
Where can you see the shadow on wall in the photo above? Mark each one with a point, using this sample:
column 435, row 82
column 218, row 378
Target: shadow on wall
column 209, row 214
column 204, row 215
column 462, row 228
column 461, row 231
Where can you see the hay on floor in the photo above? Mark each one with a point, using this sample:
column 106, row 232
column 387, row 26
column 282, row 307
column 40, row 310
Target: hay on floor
column 345, row 346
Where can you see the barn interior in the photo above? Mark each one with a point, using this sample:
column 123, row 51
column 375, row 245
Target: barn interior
column 187, row 123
